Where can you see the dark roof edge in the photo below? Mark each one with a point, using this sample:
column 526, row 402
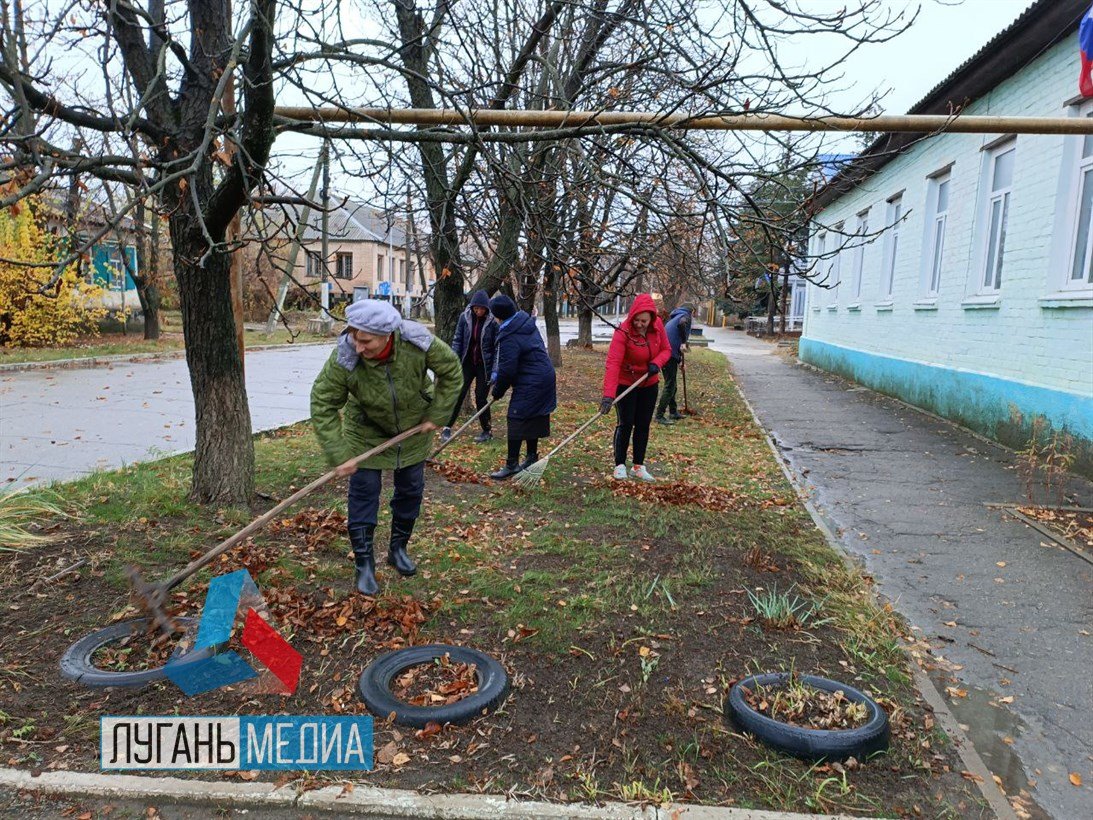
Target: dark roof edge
column 1042, row 25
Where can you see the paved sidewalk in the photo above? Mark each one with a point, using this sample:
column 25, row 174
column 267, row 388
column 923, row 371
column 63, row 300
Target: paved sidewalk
column 61, row 423
column 908, row 493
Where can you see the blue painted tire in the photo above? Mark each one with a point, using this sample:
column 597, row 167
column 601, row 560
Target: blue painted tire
column 811, row 744
column 375, row 686
column 76, row 662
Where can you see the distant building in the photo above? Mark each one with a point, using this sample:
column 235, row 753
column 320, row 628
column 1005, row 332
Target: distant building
column 959, row 268
column 369, row 256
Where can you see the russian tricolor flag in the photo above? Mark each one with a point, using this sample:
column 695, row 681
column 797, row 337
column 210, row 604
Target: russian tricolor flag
column 1085, row 43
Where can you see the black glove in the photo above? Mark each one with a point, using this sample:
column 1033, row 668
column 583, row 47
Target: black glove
column 606, row 405
column 653, row 369
column 496, row 393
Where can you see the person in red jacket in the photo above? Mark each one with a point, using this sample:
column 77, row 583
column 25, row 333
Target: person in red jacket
column 639, row 346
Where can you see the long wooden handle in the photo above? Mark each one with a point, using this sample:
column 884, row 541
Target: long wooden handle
column 265, row 518
column 585, row 426
column 466, row 424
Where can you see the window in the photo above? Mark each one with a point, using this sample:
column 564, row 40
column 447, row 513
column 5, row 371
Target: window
column 344, row 262
column 938, row 195
column 402, row 272
column 819, row 268
column 859, row 256
column 834, row 276
column 1080, row 269
column 1000, row 178
column 891, row 245
column 314, row 264
column 381, row 272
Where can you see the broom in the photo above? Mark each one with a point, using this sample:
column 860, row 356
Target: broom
column 534, row 473
column 467, row 424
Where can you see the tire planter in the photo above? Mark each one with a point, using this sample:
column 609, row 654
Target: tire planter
column 811, row 744
column 375, row 686
column 76, row 662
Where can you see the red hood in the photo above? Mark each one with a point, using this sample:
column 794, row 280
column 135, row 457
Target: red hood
column 643, row 303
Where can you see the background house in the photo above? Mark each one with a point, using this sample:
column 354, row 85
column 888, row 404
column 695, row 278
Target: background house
column 959, row 268
column 370, row 257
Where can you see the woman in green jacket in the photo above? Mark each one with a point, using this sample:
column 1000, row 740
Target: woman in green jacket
column 377, row 379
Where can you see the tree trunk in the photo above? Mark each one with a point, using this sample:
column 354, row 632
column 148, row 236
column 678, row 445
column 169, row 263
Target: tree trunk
column 584, row 326
column 508, row 245
column 224, row 456
column 147, row 272
column 550, row 315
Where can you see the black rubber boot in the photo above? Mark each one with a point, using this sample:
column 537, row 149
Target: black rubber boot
column 401, row 530
column 527, row 462
column 510, row 469
column 363, row 555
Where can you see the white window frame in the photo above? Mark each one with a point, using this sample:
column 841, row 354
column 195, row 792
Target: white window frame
column 893, row 219
column 835, row 267
column 858, row 266
column 1078, row 170
column 992, row 242
column 818, row 293
column 935, row 233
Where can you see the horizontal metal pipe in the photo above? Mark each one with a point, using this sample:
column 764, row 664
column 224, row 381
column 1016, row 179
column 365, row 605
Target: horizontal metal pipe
column 906, row 123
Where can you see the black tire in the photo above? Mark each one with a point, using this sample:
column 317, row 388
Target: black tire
column 811, row 744
column 76, row 662
column 375, row 686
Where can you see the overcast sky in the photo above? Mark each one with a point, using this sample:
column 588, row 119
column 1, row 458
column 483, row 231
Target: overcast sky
column 944, row 35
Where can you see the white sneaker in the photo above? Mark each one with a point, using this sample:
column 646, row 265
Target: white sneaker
column 620, row 473
column 641, row 474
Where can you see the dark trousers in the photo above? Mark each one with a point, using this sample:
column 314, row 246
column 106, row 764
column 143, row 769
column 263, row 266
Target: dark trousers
column 364, row 494
column 634, row 414
column 668, row 397
column 514, row 449
column 477, row 374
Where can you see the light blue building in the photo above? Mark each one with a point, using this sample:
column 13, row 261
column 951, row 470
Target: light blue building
column 958, row 269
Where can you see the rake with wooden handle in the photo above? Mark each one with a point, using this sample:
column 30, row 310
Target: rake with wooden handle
column 465, row 425
column 534, row 473
column 152, row 598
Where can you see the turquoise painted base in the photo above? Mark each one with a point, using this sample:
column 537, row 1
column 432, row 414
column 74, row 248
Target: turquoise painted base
column 1001, row 409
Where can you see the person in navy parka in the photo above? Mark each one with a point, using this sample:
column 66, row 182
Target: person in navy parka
column 521, row 362
column 678, row 328
column 475, row 338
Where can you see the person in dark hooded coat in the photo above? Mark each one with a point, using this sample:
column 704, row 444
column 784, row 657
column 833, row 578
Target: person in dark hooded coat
column 522, row 363
column 475, row 338
column 678, row 328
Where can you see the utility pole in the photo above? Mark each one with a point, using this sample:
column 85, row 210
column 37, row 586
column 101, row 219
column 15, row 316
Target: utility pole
column 324, row 295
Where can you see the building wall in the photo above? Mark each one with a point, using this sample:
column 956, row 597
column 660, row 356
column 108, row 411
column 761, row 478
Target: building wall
column 365, row 259
column 992, row 364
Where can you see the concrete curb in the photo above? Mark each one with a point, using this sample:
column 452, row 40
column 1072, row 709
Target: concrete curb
column 100, row 361
column 973, row 763
column 366, row 801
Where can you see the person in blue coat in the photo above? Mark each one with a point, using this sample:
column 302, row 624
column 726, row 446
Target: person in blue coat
column 678, row 328
column 475, row 338
column 522, row 363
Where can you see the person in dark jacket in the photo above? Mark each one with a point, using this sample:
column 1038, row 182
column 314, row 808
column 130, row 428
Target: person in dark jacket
column 522, row 363
column 678, row 329
column 375, row 385
column 639, row 347
column 475, row 338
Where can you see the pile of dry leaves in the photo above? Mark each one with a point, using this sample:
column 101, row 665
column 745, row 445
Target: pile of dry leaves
column 436, row 684
column 318, row 527
column 801, row 705
column 1077, row 525
column 457, row 474
column 679, row 493
column 390, row 621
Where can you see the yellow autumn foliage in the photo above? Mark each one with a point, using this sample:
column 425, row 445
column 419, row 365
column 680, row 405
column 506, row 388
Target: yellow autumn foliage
column 28, row 317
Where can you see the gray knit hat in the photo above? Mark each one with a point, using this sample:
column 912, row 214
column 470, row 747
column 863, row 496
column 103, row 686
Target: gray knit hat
column 373, row 316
